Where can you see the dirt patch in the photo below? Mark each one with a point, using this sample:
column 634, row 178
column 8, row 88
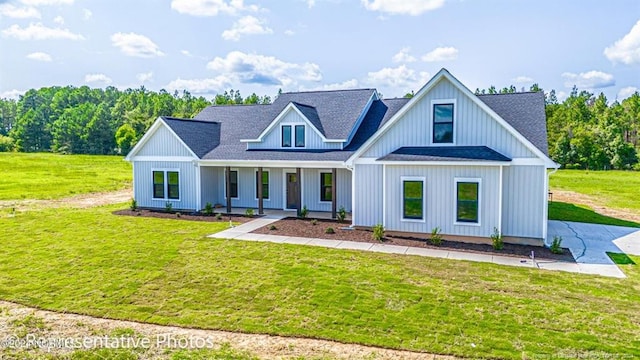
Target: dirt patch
column 21, row 321
column 185, row 216
column 305, row 228
column 78, row 201
column 581, row 199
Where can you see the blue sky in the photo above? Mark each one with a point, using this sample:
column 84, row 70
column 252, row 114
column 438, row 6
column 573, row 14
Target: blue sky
column 208, row 46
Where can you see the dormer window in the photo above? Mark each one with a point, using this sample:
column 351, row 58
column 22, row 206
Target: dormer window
column 300, row 136
column 443, row 115
column 286, row 136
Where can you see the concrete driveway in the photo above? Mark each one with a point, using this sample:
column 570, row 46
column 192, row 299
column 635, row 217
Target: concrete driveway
column 589, row 244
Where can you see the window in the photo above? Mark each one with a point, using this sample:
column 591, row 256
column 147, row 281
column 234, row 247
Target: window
column 299, row 135
column 326, row 186
column 166, row 184
column 173, row 185
column 265, row 185
column 413, row 199
column 467, row 195
column 286, row 136
column 158, row 184
column 443, row 123
column 233, row 186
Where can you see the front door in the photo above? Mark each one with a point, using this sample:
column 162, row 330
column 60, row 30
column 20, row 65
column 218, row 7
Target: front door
column 292, row 191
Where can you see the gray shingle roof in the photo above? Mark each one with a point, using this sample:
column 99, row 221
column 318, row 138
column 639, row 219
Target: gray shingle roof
column 312, row 115
column 200, row 136
column 525, row 112
column 379, row 113
column 445, row 153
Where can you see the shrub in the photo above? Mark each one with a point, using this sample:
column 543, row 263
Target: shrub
column 436, row 237
column 378, row 232
column 342, row 214
column 178, row 214
column 314, row 222
column 556, row 245
column 273, row 227
column 496, row 239
column 208, row 209
column 329, row 230
column 133, row 205
column 249, row 212
column 218, row 216
column 168, row 206
column 304, row 212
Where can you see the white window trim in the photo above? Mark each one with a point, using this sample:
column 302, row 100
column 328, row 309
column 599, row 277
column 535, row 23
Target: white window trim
column 293, row 136
column 455, row 201
column 224, row 184
column 165, row 172
column 432, row 124
column 268, row 171
column 424, row 196
column 320, row 172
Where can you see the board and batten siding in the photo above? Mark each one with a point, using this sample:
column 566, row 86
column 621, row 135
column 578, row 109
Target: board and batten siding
column 524, row 200
column 440, row 199
column 368, row 195
column 143, row 175
column 472, row 126
column 163, row 143
column 311, row 190
column 273, row 139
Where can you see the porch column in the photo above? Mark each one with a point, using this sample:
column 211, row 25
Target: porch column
column 334, row 185
column 227, row 179
column 260, row 207
column 299, row 191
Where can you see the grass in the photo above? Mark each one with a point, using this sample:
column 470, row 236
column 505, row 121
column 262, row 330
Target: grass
column 53, row 176
column 165, row 271
column 616, row 189
column 580, row 213
column 621, row 258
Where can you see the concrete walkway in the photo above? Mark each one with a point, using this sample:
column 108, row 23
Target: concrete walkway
column 589, row 258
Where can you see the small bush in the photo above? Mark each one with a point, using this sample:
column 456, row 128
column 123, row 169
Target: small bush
column 208, row 209
column 178, row 214
column 249, row 212
column 496, row 240
column 273, row 227
column 218, row 216
column 168, row 206
column 436, row 237
column 329, row 230
column 304, row 212
column 133, row 205
column 378, row 232
column 314, row 222
column 556, row 245
column 342, row 214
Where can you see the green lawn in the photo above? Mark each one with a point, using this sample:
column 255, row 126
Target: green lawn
column 52, row 176
column 581, row 213
column 165, row 271
column 617, row 189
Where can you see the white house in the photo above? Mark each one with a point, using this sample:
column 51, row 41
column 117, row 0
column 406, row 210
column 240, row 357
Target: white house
column 445, row 158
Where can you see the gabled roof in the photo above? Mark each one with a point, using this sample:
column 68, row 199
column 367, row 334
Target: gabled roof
column 379, row 113
column 525, row 112
column 445, row 153
column 312, row 115
column 200, row 136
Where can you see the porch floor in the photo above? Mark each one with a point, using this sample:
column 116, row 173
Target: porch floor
column 278, row 213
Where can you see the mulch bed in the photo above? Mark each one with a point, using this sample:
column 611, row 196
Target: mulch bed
column 305, row 228
column 184, row 216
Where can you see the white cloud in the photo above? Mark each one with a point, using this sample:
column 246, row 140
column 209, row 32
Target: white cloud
column 289, row 32
column 86, row 14
column 441, row 54
column 39, row 32
column 402, row 7
column 264, row 70
column 627, row 49
column 12, row 94
column 11, row 11
column 211, row 7
column 144, row 77
column 588, row 80
column 400, row 77
column 522, row 79
column 248, row 25
column 186, row 53
column 403, row 56
column 39, row 56
column 625, row 92
column 58, row 20
column 46, row 2
column 311, row 3
column 137, row 45
column 201, row 86
column 349, row 84
column 89, row 78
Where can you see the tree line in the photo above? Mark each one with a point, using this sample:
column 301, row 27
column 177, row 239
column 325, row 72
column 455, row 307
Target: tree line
column 584, row 131
column 81, row 120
